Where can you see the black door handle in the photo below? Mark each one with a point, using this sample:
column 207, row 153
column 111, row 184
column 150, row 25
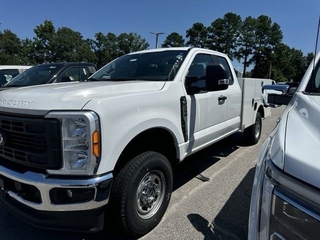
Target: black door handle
column 222, row 98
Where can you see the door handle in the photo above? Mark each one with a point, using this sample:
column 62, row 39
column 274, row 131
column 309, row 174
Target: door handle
column 222, row 98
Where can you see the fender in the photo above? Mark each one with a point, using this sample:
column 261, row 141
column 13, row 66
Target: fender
column 122, row 119
column 109, row 163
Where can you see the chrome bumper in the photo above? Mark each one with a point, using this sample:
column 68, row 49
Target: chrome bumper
column 44, row 185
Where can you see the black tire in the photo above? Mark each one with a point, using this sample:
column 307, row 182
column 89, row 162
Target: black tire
column 141, row 193
column 252, row 134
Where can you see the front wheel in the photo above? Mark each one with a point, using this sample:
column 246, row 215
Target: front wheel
column 141, row 193
column 252, row 134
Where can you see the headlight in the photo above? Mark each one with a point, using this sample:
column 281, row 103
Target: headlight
column 294, row 207
column 255, row 203
column 80, row 133
column 291, row 220
column 289, row 209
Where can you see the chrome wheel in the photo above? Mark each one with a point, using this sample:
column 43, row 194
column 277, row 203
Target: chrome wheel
column 257, row 129
column 150, row 194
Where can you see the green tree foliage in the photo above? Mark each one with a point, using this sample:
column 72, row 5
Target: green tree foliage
column 173, row 40
column 223, row 34
column 69, row 45
column 10, row 46
column 43, row 46
column 308, row 59
column 131, row 42
column 197, row 35
column 246, row 42
column 26, row 52
column 267, row 36
column 104, row 47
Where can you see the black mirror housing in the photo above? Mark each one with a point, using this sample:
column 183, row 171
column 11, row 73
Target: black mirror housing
column 191, row 79
column 217, row 78
column 276, row 99
column 276, row 95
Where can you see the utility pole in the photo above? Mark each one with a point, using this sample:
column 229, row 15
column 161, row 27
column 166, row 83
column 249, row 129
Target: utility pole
column 270, row 67
column 157, row 35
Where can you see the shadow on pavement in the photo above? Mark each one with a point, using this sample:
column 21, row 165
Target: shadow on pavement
column 232, row 221
column 193, row 166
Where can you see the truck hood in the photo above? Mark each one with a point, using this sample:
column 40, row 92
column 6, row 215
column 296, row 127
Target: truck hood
column 302, row 140
column 69, row 96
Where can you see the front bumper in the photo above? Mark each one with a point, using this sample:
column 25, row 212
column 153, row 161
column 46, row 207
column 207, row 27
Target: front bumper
column 54, row 203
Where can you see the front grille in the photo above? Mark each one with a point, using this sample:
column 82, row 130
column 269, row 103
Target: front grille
column 33, row 142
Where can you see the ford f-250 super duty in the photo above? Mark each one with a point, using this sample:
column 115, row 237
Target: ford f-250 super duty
column 67, row 150
column 286, row 191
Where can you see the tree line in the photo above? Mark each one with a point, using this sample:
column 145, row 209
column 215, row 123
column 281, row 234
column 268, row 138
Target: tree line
column 254, row 42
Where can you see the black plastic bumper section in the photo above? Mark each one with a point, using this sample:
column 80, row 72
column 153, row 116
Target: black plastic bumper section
column 79, row 221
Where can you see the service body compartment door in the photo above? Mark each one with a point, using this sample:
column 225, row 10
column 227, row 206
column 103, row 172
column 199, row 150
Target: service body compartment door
column 252, row 99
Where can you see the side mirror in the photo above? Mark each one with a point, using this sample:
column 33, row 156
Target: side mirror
column 276, row 95
column 217, row 78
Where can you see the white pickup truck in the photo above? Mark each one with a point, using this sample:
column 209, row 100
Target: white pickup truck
column 285, row 196
column 68, row 150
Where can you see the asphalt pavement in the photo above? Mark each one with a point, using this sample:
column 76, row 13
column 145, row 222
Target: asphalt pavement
column 210, row 200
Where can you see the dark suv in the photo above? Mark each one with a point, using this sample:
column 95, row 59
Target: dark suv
column 52, row 73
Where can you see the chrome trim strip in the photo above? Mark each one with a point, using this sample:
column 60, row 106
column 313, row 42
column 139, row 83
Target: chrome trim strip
column 297, row 205
column 44, row 185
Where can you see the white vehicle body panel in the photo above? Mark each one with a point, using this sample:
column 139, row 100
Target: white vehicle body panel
column 303, row 140
column 300, row 135
column 251, row 96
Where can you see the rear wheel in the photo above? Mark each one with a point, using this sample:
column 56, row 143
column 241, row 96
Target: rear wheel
column 252, row 134
column 141, row 193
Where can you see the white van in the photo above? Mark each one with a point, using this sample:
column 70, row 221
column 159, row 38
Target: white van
column 7, row 72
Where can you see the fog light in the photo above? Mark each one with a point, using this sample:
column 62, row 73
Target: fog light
column 74, row 195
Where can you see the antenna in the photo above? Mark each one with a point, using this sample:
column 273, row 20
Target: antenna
column 316, row 47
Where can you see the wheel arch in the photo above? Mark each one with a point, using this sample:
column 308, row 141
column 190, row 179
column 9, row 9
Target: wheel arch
column 261, row 111
column 158, row 139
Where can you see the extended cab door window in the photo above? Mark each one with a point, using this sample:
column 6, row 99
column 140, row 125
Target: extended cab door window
column 198, row 69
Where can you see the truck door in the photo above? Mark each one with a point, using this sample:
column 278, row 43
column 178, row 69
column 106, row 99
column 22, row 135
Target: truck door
column 233, row 103
column 207, row 109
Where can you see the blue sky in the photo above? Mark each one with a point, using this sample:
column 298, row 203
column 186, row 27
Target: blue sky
column 298, row 19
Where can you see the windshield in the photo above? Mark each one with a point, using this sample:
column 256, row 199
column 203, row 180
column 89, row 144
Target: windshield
column 35, row 75
column 153, row 66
